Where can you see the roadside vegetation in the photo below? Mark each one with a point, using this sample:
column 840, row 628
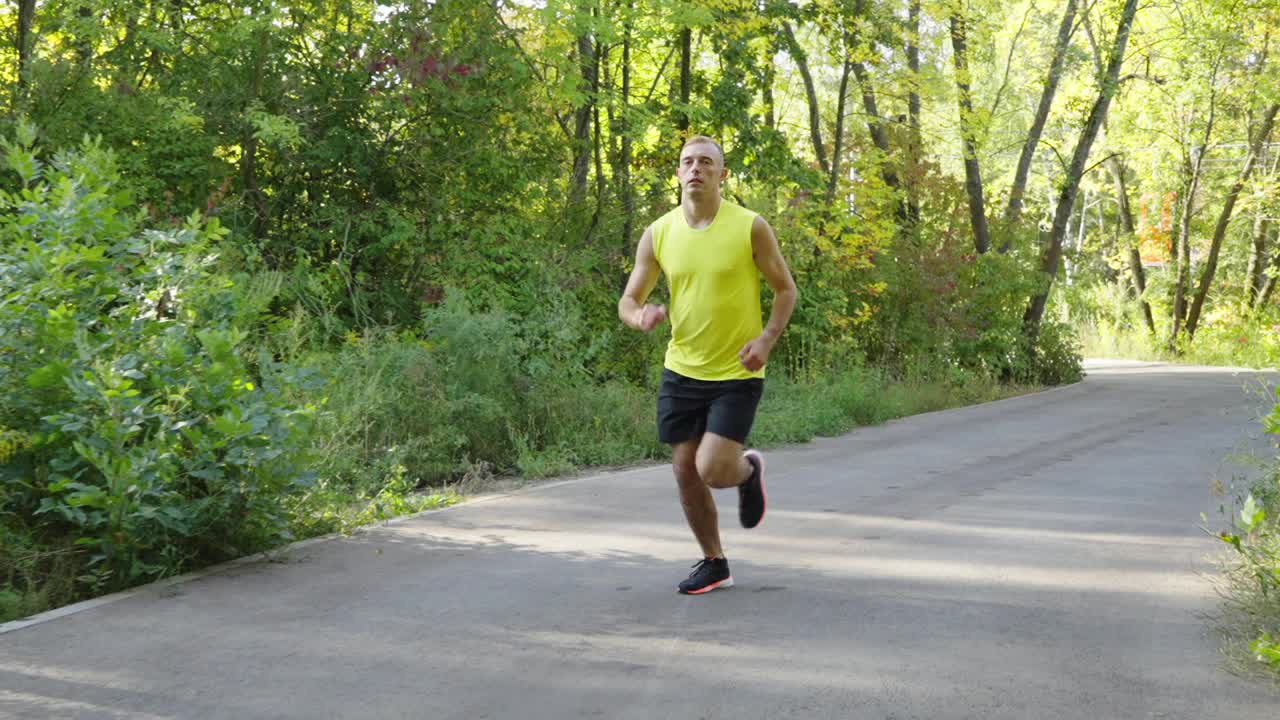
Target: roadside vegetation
column 1250, row 581
column 270, row 270
column 169, row 403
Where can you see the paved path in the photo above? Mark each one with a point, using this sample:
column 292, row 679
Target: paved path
column 1032, row 558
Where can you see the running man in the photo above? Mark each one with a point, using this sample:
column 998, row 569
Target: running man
column 713, row 253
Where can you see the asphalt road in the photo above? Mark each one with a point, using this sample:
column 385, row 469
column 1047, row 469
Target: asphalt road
column 1033, row 558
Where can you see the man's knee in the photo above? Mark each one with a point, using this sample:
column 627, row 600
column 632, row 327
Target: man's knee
column 717, row 471
column 684, row 463
column 686, row 471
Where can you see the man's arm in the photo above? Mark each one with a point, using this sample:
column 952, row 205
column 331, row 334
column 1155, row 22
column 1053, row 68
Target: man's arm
column 768, row 258
column 632, row 309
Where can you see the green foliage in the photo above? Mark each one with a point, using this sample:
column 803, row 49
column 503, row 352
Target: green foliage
column 1266, row 650
column 1251, row 578
column 419, row 220
column 1109, row 320
column 473, row 388
column 131, row 422
column 836, row 403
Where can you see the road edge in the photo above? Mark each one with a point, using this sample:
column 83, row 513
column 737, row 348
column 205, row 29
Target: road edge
column 84, row 605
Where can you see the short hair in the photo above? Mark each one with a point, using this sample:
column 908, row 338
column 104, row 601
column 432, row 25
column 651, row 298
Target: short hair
column 699, row 139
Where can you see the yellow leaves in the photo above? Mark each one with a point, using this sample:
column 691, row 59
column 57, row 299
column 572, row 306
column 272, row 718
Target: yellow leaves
column 11, row 443
column 848, row 323
column 230, row 153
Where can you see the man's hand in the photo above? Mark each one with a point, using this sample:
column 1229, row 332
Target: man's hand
column 649, row 317
column 755, row 354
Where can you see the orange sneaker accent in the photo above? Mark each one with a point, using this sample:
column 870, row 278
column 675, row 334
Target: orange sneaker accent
column 725, row 583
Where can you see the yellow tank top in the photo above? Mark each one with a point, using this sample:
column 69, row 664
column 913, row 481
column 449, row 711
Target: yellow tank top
column 715, row 292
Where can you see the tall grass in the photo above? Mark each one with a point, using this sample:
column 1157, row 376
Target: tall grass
column 1250, row 581
column 406, row 421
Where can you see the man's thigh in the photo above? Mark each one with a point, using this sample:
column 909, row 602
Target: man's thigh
column 733, row 411
column 683, row 406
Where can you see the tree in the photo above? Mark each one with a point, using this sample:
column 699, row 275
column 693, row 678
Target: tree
column 1075, row 171
column 1224, row 217
column 968, row 132
column 1014, row 209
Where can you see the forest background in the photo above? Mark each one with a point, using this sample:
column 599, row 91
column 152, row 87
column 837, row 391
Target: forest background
column 271, row 269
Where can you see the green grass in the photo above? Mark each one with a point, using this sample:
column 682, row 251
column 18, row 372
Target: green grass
column 1252, row 345
column 406, row 427
column 1249, row 585
column 798, row 412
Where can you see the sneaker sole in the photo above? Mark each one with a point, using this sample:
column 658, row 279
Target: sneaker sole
column 764, row 496
column 725, row 583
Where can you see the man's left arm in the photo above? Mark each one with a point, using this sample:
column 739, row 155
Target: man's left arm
column 768, row 258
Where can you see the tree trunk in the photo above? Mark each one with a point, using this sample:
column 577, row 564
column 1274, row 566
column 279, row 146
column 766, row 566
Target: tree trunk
column 686, row 79
column 1264, row 295
column 766, row 92
column 249, row 158
column 875, row 125
column 597, row 141
column 880, row 137
column 26, row 26
column 815, row 117
column 83, row 43
column 1182, row 252
column 972, row 171
column 834, row 178
column 1075, row 171
column 624, row 164
column 1255, row 276
column 1224, row 219
column 582, row 120
column 914, row 145
column 1013, row 212
column 1137, row 273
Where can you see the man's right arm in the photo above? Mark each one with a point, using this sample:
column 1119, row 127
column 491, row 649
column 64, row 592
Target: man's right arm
column 632, row 309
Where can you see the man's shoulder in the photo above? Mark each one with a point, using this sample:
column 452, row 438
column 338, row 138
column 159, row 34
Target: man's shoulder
column 665, row 220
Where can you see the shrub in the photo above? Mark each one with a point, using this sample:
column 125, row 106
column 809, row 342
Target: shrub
column 134, row 430
column 475, row 388
column 1251, row 581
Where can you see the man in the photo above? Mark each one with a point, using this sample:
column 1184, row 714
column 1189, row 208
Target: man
column 713, row 253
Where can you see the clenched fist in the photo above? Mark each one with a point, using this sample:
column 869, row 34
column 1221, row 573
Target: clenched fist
column 650, row 316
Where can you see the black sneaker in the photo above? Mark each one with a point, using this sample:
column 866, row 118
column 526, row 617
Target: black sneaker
column 751, row 497
column 708, row 574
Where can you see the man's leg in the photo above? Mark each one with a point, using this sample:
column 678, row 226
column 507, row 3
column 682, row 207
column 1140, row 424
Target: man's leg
column 720, row 462
column 695, row 498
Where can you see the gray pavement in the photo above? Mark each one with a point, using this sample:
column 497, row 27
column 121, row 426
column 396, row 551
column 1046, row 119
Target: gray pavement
column 1037, row 557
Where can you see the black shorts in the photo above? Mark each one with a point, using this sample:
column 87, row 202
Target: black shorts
column 687, row 408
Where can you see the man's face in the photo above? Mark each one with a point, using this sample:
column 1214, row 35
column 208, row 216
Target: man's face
column 701, row 169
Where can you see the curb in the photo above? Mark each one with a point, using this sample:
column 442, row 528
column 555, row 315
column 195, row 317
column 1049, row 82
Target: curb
column 83, row 605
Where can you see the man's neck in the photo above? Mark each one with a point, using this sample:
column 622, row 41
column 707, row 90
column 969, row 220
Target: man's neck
column 699, row 212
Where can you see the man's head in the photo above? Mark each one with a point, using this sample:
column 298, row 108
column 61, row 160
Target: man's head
column 701, row 167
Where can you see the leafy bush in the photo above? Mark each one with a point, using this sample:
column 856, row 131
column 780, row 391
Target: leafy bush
column 474, row 388
column 1057, row 357
column 134, row 430
column 1251, row 580
column 1109, row 321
